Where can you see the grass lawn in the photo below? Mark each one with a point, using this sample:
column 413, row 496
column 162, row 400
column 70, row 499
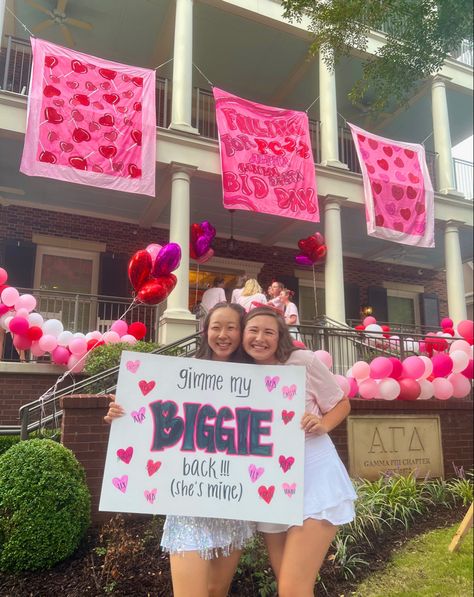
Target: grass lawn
column 425, row 568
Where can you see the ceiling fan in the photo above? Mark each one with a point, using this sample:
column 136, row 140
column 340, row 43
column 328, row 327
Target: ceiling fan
column 57, row 16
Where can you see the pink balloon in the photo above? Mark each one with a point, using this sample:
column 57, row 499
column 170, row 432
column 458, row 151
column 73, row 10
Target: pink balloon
column 48, row 343
column 380, row 368
column 26, row 301
column 361, row 370
column 36, row 350
column 153, row 249
column 447, row 322
column 167, row 261
column 369, row 320
column 303, row 260
column 368, row 388
column 324, row 357
column 4, row 309
column 460, row 345
column 469, row 370
column 428, row 366
column 442, row 365
column 461, row 385
column 111, row 337
column 344, row 384
column 76, row 364
column 3, row 276
column 413, row 367
column 128, row 339
column 460, row 360
column 60, row 355
column 21, row 342
column 19, row 325
column 9, row 296
column 22, row 313
column 442, row 388
column 206, row 256
column 409, row 389
column 354, row 387
column 95, row 335
column 78, row 346
column 426, row 389
column 397, row 368
column 465, row 329
column 120, row 326
column 389, row 389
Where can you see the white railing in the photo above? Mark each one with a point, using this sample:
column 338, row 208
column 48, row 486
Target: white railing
column 463, row 176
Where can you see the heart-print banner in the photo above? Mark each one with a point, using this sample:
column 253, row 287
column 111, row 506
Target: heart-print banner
column 90, row 121
column 399, row 197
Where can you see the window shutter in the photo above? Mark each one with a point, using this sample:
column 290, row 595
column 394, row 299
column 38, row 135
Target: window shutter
column 429, row 308
column 352, row 300
column 113, row 279
column 377, row 297
column 20, row 258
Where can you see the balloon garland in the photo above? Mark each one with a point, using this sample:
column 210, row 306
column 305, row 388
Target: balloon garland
column 201, row 237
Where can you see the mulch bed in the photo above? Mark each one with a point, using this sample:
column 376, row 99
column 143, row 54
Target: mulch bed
column 123, row 559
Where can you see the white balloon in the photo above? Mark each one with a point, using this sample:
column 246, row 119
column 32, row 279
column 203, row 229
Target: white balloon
column 64, row 338
column 6, row 322
column 35, row 319
column 426, row 389
column 3, row 323
column 52, row 327
column 95, row 335
column 79, row 335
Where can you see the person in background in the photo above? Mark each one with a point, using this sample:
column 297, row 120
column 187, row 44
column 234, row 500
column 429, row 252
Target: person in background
column 239, row 288
column 251, row 293
column 274, row 294
column 290, row 310
column 213, row 295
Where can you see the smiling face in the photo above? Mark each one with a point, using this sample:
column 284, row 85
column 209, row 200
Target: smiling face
column 260, row 339
column 223, row 335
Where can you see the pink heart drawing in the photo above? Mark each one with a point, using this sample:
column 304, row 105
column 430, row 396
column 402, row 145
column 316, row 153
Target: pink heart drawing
column 150, row 496
column 289, row 392
column 255, row 472
column 138, row 416
column 152, row 467
column 132, row 366
column 289, row 490
column 125, row 455
column 266, row 493
column 271, row 382
column 120, row 483
column 287, row 416
column 286, row 463
column 146, row 386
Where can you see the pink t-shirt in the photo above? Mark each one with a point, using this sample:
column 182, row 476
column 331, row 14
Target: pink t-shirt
column 322, row 390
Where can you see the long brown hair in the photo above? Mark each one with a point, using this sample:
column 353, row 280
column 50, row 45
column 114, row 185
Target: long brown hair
column 285, row 341
column 204, row 351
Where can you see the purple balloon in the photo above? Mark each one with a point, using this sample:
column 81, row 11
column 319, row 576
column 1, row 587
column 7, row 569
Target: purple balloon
column 303, row 260
column 209, row 230
column 167, row 260
column 202, row 246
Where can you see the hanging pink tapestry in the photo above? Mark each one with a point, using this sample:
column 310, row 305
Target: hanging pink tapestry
column 90, row 121
column 266, row 157
column 399, row 198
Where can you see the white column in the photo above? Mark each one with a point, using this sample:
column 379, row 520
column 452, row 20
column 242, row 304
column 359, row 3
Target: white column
column 334, row 269
column 181, row 101
column 328, row 116
column 2, row 18
column 177, row 321
column 442, row 137
column 454, row 273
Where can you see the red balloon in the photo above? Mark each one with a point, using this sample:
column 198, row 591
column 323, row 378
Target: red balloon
column 139, row 269
column 137, row 330
column 155, row 291
column 397, row 368
column 34, row 333
column 360, row 328
column 321, row 252
column 93, row 343
column 409, row 389
column 469, row 370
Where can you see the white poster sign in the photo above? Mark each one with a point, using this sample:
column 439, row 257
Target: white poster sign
column 206, row 438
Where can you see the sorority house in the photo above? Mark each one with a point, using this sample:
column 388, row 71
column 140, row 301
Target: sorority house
column 69, row 244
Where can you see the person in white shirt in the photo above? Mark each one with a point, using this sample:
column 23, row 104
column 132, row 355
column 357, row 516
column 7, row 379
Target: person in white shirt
column 213, row 295
column 274, row 292
column 251, row 293
column 290, row 312
column 238, row 290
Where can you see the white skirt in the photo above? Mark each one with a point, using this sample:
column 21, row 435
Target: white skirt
column 328, row 491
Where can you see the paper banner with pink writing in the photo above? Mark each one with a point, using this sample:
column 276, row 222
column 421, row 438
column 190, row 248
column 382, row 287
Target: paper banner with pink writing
column 90, row 121
column 399, row 198
column 266, row 157
column 206, row 438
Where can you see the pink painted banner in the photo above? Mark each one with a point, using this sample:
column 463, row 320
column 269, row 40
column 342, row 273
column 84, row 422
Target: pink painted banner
column 90, row 121
column 399, row 197
column 266, row 157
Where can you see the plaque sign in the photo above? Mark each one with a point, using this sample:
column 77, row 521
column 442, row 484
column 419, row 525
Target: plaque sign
column 401, row 444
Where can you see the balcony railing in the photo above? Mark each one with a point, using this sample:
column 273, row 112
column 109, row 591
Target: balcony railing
column 16, row 59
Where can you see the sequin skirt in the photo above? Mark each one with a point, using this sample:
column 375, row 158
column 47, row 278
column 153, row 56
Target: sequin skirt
column 212, row 537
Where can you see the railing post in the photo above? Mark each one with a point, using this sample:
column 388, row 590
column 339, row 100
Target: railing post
column 7, row 62
column 76, row 313
column 24, row 416
column 198, row 120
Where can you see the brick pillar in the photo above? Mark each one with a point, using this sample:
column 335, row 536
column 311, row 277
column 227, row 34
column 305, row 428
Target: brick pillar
column 84, row 432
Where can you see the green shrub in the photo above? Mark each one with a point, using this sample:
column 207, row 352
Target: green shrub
column 44, row 505
column 7, row 441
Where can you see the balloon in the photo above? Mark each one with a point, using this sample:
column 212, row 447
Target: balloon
column 35, row 319
column 461, row 385
column 119, row 326
column 6, row 322
column 9, row 296
column 397, row 368
column 4, row 309
column 208, row 229
column 36, row 350
column 52, row 327
column 155, row 291
column 93, row 343
column 64, row 338
column 460, row 360
column 344, row 384
column 411, row 345
column 26, row 301
column 153, row 249
column 128, row 339
column 299, row 344
column 409, row 389
column 359, row 328
column 21, row 342
column 324, row 357
column 111, row 338
column 303, row 260
column 369, row 321
column 18, row 325
column 168, row 260
column 95, row 335
column 465, row 329
column 47, row 342
column 60, row 355
column 380, row 367
column 201, row 237
column 34, row 333
column 413, row 367
column 137, row 330
column 368, row 388
column 360, row 370
column 460, row 345
column 139, row 269
column 447, row 323
column 78, row 346
column 426, row 389
column 469, row 370
column 3, row 276
column 442, row 388
column 442, row 365
column 433, row 342
column 354, row 388
column 389, row 389
column 375, row 329
column 313, row 248
column 206, row 256
column 75, row 364
column 78, row 335
column 428, row 367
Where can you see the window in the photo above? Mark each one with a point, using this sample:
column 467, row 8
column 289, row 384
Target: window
column 309, row 307
column 403, row 307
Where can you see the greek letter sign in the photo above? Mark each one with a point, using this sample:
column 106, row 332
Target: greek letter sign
column 266, row 157
column 204, row 438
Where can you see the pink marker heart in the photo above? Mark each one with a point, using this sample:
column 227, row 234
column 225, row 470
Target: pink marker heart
column 152, row 467
column 289, row 490
column 286, row 463
column 132, row 366
column 125, row 455
column 255, row 472
column 120, row 483
column 287, row 416
column 138, row 415
column 289, row 392
column 271, row 382
column 266, row 493
column 146, row 386
column 150, row 496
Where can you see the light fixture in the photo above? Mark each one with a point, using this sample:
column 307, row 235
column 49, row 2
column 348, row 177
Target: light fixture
column 366, row 310
column 231, row 243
